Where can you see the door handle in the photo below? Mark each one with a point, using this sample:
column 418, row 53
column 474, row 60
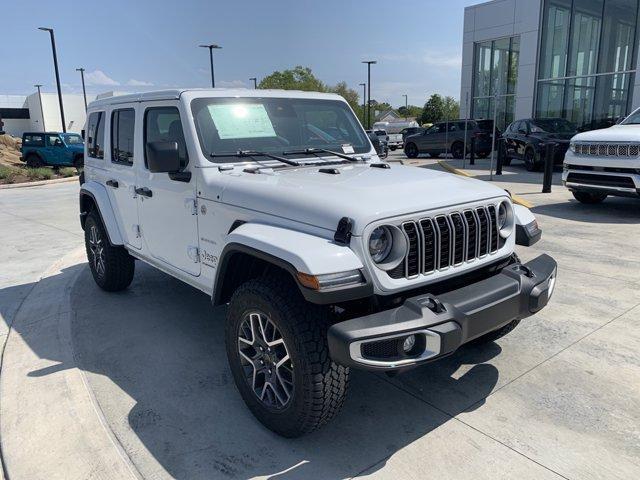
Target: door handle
column 113, row 183
column 144, row 191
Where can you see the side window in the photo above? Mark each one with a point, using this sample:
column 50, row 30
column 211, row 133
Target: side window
column 95, row 135
column 122, row 128
column 162, row 124
column 33, row 141
column 53, row 140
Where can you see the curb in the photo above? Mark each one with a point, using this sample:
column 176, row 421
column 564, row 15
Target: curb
column 39, row 183
column 457, row 171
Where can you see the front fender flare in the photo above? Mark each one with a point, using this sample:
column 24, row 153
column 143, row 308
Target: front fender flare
column 295, row 252
column 101, row 200
column 527, row 230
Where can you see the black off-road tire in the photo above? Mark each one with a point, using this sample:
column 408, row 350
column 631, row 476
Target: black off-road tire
column 319, row 384
column 118, row 267
column 33, row 160
column 496, row 334
column 457, row 150
column 411, row 150
column 589, row 198
column 78, row 163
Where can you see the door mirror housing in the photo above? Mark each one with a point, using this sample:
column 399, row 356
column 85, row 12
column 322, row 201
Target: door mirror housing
column 163, row 157
column 57, row 143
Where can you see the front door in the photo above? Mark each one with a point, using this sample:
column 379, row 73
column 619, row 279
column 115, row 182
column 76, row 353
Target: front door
column 121, row 178
column 54, row 149
column 167, row 201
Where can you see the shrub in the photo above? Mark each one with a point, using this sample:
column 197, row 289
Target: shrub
column 67, row 172
column 9, row 174
column 42, row 173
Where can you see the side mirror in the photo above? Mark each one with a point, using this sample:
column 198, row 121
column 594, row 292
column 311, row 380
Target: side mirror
column 163, row 157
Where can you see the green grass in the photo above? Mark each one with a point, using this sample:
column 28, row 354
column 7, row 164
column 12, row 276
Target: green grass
column 9, row 174
column 68, row 172
column 41, row 173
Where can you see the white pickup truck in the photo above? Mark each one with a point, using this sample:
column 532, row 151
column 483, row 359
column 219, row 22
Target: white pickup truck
column 275, row 204
column 394, row 132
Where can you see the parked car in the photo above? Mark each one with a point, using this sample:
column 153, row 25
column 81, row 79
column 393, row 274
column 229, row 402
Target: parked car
column 275, row 204
column 405, row 132
column 53, row 149
column 605, row 162
column 383, row 140
column 449, row 136
column 379, row 147
column 527, row 140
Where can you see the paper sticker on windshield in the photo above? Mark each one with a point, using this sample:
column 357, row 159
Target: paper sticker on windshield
column 241, row 121
column 348, row 148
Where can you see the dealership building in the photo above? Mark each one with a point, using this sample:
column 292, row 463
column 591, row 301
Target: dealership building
column 574, row 59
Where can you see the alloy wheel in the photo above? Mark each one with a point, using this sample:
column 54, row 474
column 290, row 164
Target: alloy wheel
column 97, row 251
column 265, row 360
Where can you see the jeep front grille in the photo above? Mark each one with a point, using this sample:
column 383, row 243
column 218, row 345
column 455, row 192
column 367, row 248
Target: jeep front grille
column 608, row 149
column 448, row 241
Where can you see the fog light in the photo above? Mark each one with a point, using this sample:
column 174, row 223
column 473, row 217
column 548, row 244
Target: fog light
column 409, row 343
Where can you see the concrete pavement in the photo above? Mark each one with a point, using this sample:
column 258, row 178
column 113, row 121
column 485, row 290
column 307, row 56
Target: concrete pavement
column 557, row 398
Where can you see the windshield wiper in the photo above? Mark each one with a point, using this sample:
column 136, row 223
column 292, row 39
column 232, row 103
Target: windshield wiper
column 251, row 153
column 314, row 151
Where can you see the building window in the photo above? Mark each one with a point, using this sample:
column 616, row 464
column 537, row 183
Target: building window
column 587, row 61
column 122, row 128
column 495, row 77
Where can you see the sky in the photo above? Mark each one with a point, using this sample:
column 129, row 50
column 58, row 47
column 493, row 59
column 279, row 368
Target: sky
column 142, row 45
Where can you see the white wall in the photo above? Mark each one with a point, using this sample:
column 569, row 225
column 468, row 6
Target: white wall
column 497, row 19
column 74, row 112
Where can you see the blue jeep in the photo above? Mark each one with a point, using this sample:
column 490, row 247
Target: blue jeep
column 54, row 149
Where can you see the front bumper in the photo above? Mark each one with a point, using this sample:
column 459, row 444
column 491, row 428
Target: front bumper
column 443, row 323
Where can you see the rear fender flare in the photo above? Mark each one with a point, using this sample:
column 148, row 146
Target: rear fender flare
column 100, row 198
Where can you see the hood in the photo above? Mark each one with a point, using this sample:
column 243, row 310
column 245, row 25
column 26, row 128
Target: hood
column 562, row 137
column 360, row 192
column 617, row 133
column 78, row 148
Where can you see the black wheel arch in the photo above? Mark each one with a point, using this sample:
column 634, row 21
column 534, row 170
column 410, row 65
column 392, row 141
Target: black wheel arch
column 240, row 263
column 88, row 203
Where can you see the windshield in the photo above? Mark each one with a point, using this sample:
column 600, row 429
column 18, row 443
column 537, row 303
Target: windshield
column 275, row 125
column 72, row 139
column 633, row 119
column 554, row 125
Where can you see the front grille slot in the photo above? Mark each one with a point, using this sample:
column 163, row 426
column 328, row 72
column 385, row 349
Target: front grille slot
column 448, row 241
column 601, row 180
column 608, row 149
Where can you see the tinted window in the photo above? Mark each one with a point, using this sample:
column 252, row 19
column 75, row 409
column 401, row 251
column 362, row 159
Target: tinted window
column 33, row 141
column 555, row 125
column 122, row 127
column 95, row 132
column 72, row 139
column 162, row 124
column 274, row 125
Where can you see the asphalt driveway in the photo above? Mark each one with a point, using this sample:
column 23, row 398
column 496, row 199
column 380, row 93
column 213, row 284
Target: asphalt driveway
column 557, row 398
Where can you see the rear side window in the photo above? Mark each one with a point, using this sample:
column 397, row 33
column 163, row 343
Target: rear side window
column 122, row 129
column 95, row 135
column 162, row 124
column 33, row 141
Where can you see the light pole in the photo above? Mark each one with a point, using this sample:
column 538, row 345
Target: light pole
column 55, row 64
column 364, row 102
column 369, row 63
column 406, row 106
column 38, row 85
column 84, row 91
column 211, row 47
column 255, row 82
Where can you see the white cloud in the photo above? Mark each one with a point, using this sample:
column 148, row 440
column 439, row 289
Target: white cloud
column 139, row 83
column 98, row 77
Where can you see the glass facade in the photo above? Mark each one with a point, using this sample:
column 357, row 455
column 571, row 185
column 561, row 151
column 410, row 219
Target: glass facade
column 495, row 77
column 587, row 63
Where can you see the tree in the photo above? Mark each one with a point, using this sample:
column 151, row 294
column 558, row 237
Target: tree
column 349, row 94
column 299, row 78
column 439, row 109
column 410, row 111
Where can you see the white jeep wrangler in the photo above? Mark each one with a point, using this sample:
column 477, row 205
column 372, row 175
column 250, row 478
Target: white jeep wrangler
column 275, row 204
column 605, row 162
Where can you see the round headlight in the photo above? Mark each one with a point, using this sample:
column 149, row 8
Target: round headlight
column 505, row 219
column 380, row 243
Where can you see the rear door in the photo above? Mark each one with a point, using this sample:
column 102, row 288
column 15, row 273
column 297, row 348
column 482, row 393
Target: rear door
column 167, row 201
column 123, row 155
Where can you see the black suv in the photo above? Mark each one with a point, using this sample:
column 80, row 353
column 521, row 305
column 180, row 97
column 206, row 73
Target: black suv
column 527, row 140
column 449, row 136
